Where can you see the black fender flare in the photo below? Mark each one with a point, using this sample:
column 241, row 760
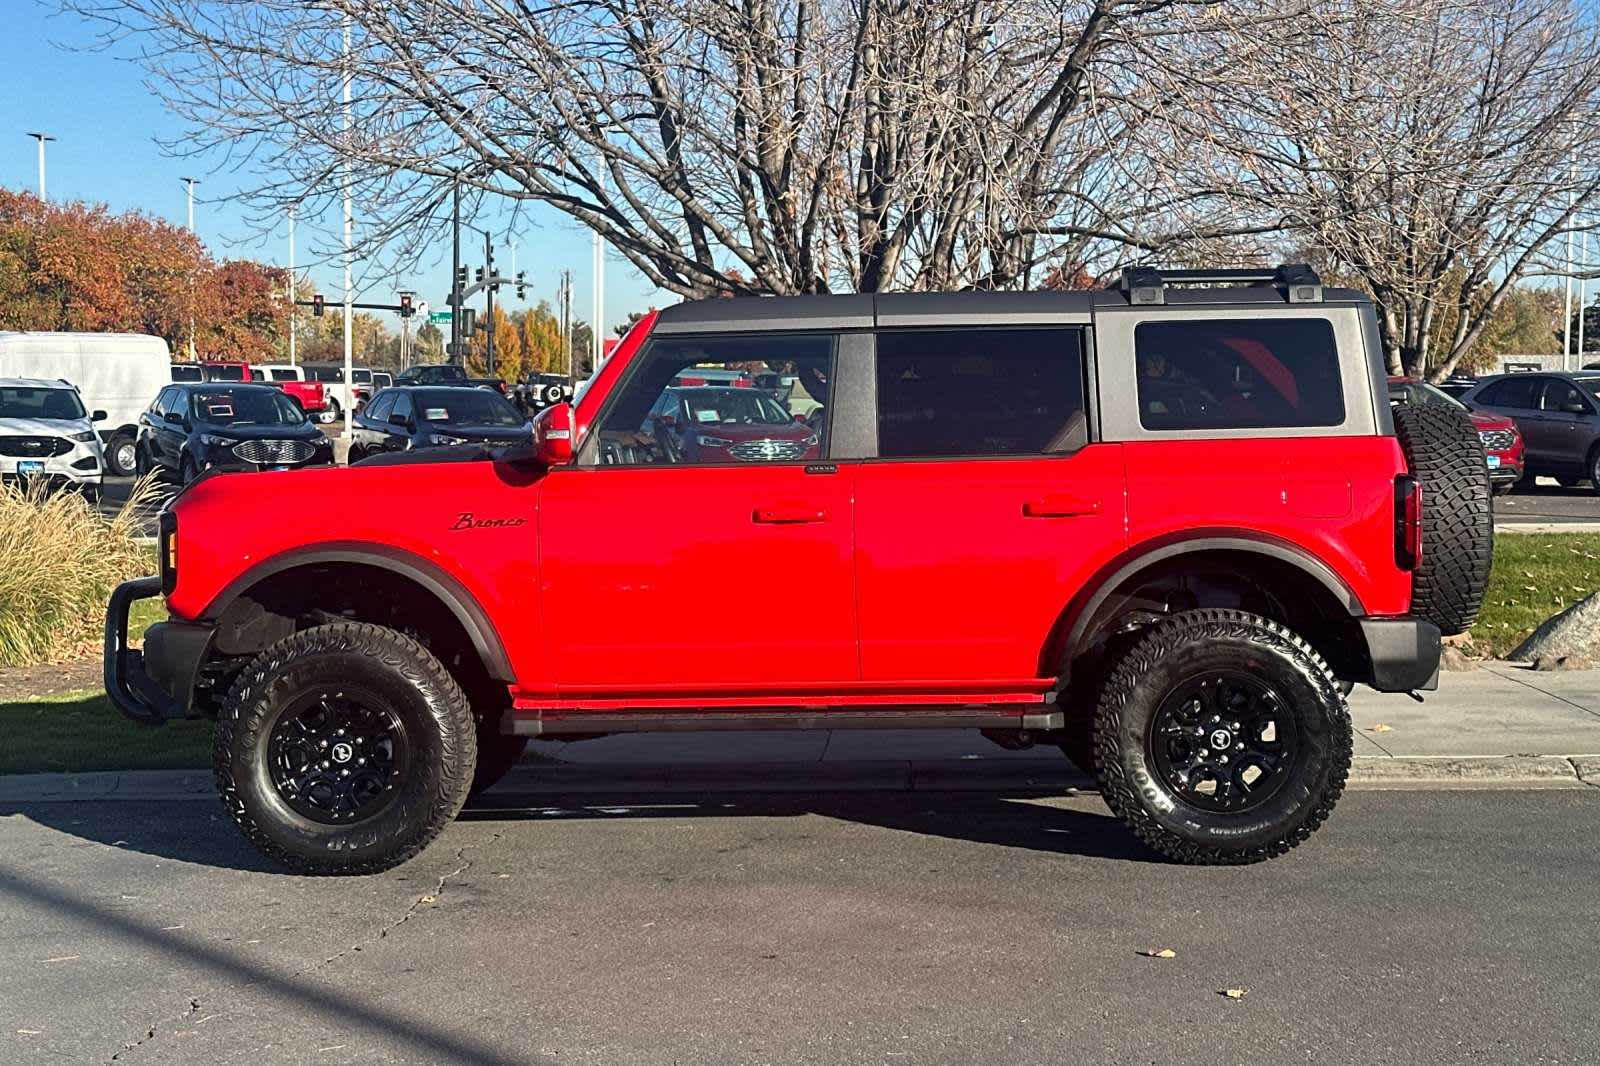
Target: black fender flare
column 474, row 620
column 1083, row 615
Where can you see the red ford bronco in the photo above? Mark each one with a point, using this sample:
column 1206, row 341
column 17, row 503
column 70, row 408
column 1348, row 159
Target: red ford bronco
column 1164, row 526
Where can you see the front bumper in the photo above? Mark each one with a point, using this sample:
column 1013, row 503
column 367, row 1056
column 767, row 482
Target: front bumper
column 1403, row 653
column 81, row 466
column 156, row 684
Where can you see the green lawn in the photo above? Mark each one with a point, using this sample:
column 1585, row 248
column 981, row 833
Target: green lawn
column 82, row 731
column 1535, row 576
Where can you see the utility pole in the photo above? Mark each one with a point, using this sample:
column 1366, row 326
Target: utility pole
column 564, row 299
column 1583, row 290
column 42, row 138
column 455, row 272
column 596, row 327
column 488, row 319
column 294, row 308
column 191, row 183
column 349, row 254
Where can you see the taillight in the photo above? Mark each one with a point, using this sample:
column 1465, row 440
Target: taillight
column 1407, row 522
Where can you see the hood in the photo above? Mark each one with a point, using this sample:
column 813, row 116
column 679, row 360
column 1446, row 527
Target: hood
column 44, row 427
column 501, row 434
column 739, row 432
column 1482, row 421
column 304, row 431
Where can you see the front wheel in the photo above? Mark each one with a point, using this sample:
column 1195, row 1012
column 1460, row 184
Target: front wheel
column 344, row 749
column 1222, row 738
column 121, row 455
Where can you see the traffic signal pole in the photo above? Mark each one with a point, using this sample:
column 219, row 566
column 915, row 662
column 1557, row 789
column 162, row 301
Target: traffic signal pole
column 455, row 274
column 488, row 322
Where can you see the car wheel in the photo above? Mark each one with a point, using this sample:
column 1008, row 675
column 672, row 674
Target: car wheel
column 335, row 412
column 141, row 460
column 187, row 470
column 344, row 749
column 1594, row 471
column 1443, row 449
column 121, row 455
column 1222, row 738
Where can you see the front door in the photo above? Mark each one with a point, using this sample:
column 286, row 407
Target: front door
column 710, row 554
column 986, row 509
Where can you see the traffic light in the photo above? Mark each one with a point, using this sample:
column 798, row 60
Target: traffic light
column 469, row 321
column 478, row 275
column 522, row 291
column 405, row 305
column 317, row 307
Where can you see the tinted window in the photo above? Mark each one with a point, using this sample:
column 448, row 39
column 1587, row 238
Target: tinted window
column 1238, row 374
column 225, row 373
column 284, row 374
column 1516, row 392
column 187, row 372
column 244, row 407
column 693, row 400
column 163, row 402
column 1591, row 384
column 1560, row 395
column 402, row 405
column 980, row 392
column 466, row 407
column 378, row 411
column 28, row 402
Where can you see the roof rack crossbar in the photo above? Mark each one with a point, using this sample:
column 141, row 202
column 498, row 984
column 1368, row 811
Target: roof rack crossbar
column 1147, row 285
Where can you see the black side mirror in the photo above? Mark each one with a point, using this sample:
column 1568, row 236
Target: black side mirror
column 399, row 420
column 98, row 416
column 174, row 418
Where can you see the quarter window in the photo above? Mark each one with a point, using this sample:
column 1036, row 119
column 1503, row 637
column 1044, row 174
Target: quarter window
column 1238, row 374
column 719, row 399
column 980, row 392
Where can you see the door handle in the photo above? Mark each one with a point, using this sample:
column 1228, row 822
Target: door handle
column 788, row 515
column 1060, row 507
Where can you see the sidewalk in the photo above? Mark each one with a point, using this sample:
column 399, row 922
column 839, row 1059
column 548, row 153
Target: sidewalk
column 1500, row 726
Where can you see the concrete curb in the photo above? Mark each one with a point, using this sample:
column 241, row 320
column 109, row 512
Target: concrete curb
column 1580, row 526
column 1375, row 772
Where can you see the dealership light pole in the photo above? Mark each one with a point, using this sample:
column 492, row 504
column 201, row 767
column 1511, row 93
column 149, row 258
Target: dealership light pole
column 293, row 287
column 42, row 138
column 349, row 256
column 191, row 183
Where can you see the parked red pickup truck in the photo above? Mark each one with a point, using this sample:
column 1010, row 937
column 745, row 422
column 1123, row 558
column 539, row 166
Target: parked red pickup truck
column 1159, row 525
column 291, row 380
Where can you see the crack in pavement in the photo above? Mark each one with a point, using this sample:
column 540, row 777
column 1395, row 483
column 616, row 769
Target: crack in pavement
column 150, row 1034
column 1578, row 772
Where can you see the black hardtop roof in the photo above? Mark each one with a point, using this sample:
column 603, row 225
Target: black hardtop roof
column 868, row 311
column 224, row 386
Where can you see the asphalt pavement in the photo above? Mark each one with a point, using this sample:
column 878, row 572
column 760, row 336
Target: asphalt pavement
column 1434, row 927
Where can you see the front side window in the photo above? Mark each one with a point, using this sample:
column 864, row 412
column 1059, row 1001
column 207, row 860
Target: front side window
column 980, row 392
column 695, row 400
column 1564, row 397
column 402, row 406
column 1238, row 374
column 380, row 407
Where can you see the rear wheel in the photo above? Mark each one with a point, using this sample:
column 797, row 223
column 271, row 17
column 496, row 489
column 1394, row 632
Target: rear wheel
column 122, row 455
column 1222, row 738
column 344, row 749
column 1444, row 451
column 1594, row 471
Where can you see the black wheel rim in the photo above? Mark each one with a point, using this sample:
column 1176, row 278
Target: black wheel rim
column 338, row 757
column 1224, row 741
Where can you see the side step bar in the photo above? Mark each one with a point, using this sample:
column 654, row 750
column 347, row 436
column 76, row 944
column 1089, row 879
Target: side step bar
column 552, row 723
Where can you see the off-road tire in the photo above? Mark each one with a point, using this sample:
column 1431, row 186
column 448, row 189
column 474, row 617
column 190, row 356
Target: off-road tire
column 421, row 692
column 1444, row 451
column 188, row 470
column 1174, row 652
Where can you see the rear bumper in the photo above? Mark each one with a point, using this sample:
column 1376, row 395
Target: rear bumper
column 157, row 683
column 1404, row 653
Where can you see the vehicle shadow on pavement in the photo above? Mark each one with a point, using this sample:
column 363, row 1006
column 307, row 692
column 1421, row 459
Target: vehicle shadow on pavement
column 1006, row 818
column 193, row 831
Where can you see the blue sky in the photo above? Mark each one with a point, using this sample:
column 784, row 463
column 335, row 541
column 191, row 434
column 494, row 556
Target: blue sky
column 108, row 124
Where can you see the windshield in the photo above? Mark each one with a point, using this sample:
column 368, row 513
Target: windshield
column 62, row 404
column 244, row 407
column 733, row 406
column 1421, row 394
column 187, row 373
column 466, row 407
column 361, row 377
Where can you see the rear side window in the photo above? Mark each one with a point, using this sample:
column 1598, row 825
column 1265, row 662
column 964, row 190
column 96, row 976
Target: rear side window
column 1520, row 393
column 1238, row 374
column 980, row 392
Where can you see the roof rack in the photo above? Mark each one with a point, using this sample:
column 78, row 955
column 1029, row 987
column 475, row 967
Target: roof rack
column 1147, row 285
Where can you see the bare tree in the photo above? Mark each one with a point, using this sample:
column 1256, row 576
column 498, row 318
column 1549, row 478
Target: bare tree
column 1437, row 150
column 720, row 145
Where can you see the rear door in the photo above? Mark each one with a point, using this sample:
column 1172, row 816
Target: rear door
column 1517, row 397
column 667, row 573
column 985, row 509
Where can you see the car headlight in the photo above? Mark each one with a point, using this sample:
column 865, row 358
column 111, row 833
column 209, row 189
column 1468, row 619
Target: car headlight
column 445, row 438
column 211, row 440
column 85, row 437
column 705, row 440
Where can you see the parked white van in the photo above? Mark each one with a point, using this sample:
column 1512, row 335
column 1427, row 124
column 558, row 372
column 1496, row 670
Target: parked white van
column 118, row 373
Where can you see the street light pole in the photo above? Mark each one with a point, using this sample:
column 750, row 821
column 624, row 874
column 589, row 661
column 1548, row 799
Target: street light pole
column 349, row 255
column 191, row 183
column 41, row 138
column 293, row 287
column 455, row 272
column 488, row 320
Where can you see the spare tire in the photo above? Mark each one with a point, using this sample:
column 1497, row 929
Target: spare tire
column 1445, row 454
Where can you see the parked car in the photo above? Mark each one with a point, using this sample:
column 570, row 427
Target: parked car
column 1458, row 385
column 1004, row 526
column 1558, row 415
column 309, row 393
column 382, row 379
column 116, row 373
column 407, row 417
column 192, row 429
column 45, row 433
column 721, row 424
column 452, row 375
column 1503, row 449
column 535, row 392
column 341, row 395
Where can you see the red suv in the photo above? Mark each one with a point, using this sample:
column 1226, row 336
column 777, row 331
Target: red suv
column 1157, row 525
